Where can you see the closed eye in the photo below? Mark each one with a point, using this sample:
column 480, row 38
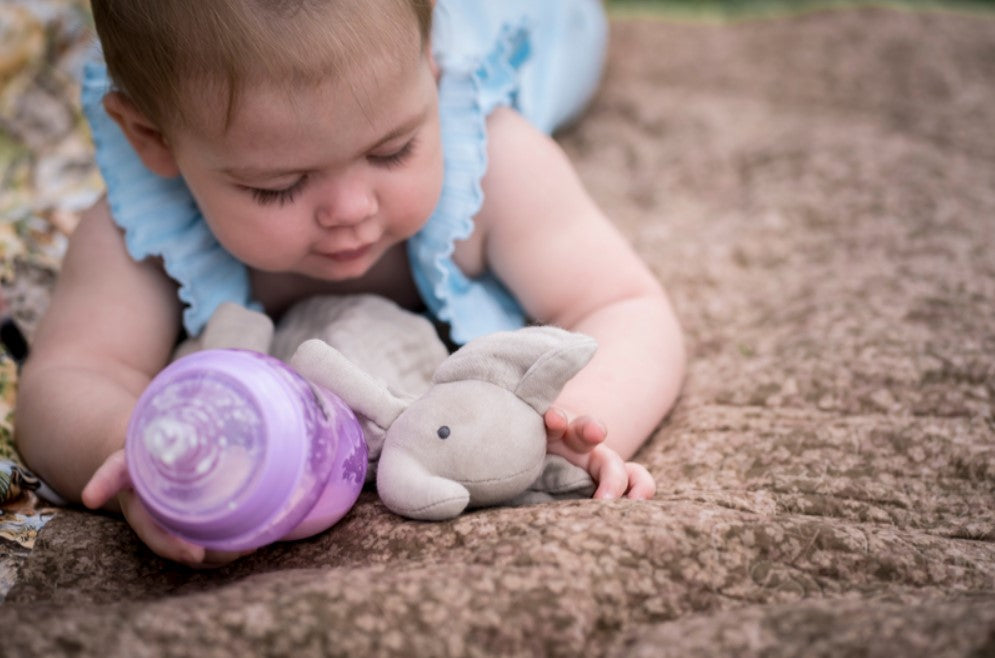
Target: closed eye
column 396, row 158
column 282, row 196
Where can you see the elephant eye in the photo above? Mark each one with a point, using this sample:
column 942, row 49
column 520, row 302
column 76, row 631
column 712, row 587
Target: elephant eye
column 443, row 432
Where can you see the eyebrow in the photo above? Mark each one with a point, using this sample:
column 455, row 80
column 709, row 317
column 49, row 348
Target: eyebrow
column 260, row 173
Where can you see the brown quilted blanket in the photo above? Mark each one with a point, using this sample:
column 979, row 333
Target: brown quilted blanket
column 818, row 194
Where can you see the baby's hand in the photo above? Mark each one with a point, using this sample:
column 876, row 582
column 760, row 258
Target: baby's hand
column 111, row 480
column 581, row 442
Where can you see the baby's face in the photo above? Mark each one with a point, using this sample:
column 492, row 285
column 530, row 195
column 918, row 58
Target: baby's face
column 323, row 179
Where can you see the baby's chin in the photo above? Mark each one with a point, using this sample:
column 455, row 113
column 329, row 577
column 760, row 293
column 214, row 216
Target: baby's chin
column 339, row 271
column 342, row 265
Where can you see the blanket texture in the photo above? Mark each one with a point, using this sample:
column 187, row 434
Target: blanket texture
column 818, row 195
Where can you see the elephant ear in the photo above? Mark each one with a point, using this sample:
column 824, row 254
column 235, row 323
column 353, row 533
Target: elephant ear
column 534, row 363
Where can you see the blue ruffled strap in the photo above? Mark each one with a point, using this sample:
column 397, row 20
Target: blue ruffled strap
column 160, row 217
column 477, row 306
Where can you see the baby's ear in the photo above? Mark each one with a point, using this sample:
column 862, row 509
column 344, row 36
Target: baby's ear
column 143, row 135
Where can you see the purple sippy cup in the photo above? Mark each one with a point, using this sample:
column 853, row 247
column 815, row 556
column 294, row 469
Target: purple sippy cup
column 233, row 450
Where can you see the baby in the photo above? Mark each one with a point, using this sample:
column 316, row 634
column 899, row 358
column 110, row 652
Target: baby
column 263, row 151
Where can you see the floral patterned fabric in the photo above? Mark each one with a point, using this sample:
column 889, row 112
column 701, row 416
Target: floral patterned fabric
column 48, row 177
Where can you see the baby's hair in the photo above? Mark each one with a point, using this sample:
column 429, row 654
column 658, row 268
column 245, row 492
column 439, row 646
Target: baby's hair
column 158, row 51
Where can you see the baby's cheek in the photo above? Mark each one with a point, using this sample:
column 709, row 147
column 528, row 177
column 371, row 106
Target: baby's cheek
column 422, row 197
column 262, row 243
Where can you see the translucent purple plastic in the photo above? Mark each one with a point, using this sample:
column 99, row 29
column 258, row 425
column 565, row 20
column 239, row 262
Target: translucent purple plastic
column 233, row 450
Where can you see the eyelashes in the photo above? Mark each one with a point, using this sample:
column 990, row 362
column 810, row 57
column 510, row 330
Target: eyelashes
column 287, row 195
column 281, row 197
column 396, row 158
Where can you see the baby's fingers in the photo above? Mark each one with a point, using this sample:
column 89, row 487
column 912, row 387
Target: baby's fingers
column 586, row 432
column 556, row 424
column 155, row 537
column 107, row 481
column 167, row 545
column 642, row 486
column 608, row 470
column 580, row 435
column 111, row 480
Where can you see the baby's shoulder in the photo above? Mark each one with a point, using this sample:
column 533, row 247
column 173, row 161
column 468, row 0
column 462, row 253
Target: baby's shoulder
column 517, row 151
column 507, row 129
column 521, row 161
column 96, row 229
column 97, row 245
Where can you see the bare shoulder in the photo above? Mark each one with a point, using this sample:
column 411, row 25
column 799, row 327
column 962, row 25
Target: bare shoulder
column 106, row 305
column 543, row 234
column 516, row 152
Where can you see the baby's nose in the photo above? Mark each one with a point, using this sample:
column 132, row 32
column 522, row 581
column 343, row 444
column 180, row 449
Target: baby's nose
column 346, row 204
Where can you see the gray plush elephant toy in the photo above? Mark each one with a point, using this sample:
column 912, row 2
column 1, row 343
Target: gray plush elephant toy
column 445, row 432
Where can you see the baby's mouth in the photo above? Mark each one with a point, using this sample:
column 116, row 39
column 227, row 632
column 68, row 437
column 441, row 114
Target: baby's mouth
column 346, row 255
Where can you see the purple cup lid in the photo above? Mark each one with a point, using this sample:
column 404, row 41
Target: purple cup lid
column 217, row 445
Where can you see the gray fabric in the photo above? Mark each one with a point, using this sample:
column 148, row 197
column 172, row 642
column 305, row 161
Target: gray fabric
column 818, row 194
column 476, row 437
column 393, row 346
column 534, row 364
column 234, row 327
column 468, row 434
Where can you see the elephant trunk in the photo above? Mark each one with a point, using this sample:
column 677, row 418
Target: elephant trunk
column 407, row 488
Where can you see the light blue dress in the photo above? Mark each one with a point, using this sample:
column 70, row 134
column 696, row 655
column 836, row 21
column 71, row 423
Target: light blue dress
column 544, row 58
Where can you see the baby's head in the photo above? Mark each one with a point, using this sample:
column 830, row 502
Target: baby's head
column 163, row 54
column 306, row 130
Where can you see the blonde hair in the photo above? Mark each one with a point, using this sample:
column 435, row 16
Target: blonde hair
column 157, row 50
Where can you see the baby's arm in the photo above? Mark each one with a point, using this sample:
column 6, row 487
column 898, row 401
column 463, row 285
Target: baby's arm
column 110, row 325
column 109, row 328
column 569, row 266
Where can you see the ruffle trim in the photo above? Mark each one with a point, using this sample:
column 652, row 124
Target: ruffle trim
column 481, row 305
column 159, row 216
